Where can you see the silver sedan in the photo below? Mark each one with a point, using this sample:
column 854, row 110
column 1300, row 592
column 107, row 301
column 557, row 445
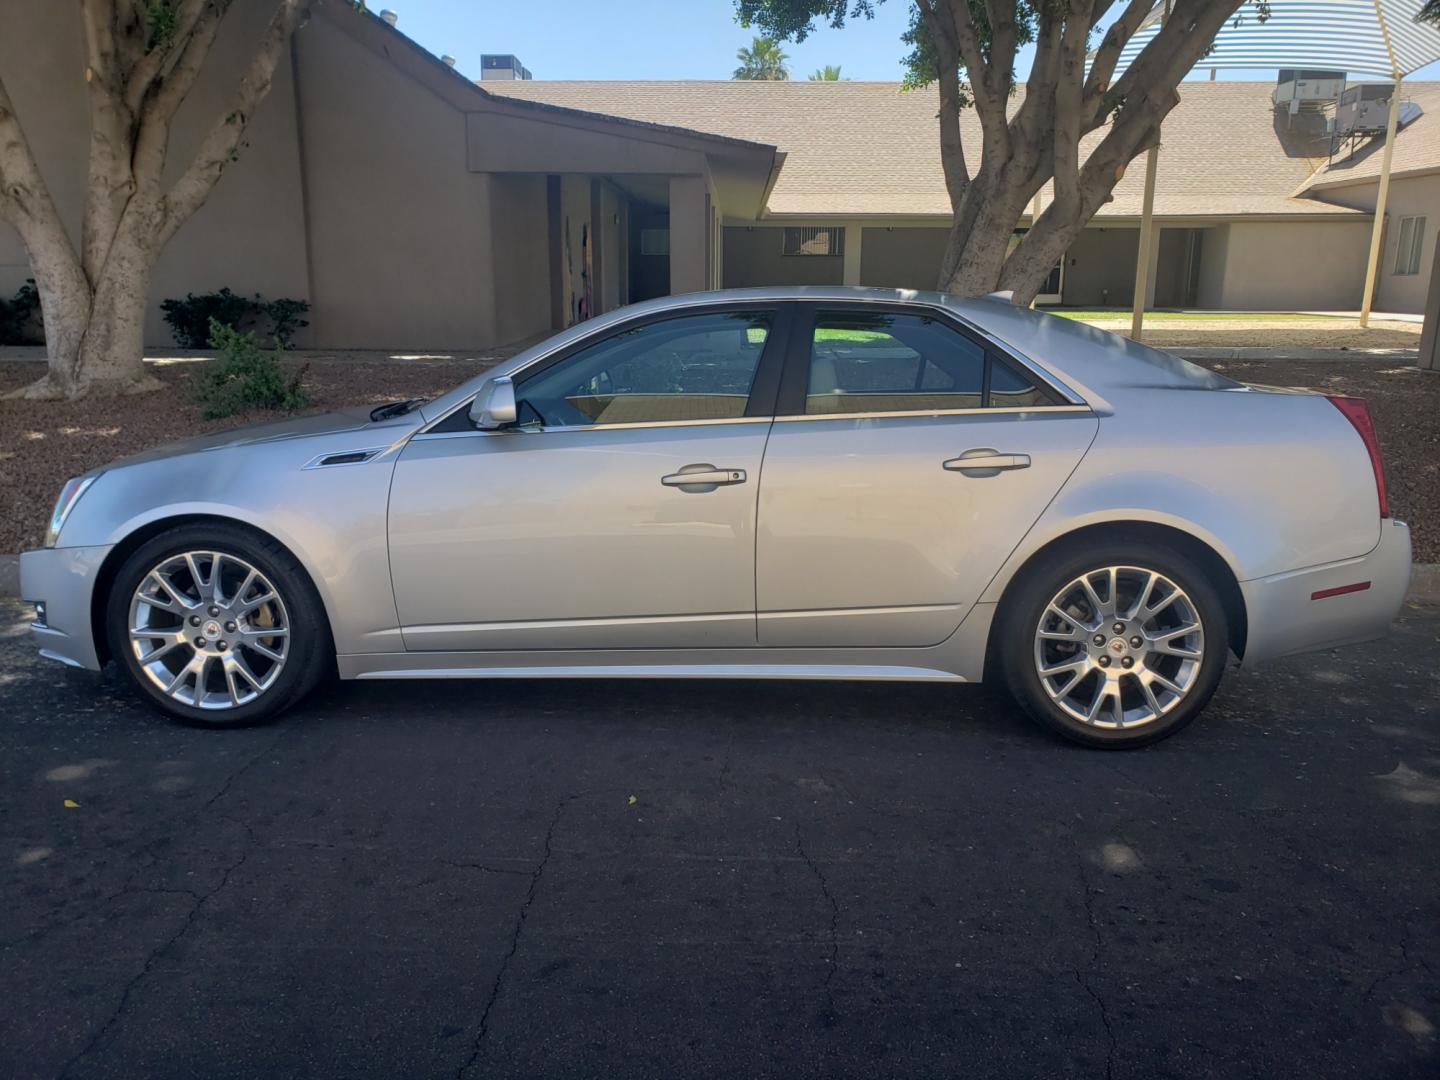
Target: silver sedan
column 781, row 483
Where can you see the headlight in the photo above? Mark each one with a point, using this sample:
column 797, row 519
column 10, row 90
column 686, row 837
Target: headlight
column 69, row 496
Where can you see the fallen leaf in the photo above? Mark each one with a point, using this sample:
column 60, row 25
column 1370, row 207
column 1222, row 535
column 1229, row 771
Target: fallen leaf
column 633, row 800
column 71, row 804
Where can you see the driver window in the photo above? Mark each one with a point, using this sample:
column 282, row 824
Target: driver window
column 697, row 367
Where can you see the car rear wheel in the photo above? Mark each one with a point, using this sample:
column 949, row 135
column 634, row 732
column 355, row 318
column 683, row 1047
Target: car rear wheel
column 1116, row 645
column 217, row 626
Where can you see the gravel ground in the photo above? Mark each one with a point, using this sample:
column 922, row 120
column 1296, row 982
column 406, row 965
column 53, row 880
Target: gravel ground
column 41, row 444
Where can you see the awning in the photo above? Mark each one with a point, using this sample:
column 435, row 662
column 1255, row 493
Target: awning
column 1359, row 37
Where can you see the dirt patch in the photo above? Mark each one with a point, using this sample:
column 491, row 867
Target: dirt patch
column 44, row 443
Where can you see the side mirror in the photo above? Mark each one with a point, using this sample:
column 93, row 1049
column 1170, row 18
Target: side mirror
column 497, row 408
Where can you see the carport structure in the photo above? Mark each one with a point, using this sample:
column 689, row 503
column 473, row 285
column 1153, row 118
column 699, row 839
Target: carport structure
column 1364, row 37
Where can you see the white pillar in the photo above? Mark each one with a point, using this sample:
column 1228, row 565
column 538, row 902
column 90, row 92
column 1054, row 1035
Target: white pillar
column 850, row 271
column 1145, row 257
column 1377, row 230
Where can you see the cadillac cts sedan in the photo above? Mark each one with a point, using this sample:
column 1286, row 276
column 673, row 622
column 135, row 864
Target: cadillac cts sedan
column 802, row 483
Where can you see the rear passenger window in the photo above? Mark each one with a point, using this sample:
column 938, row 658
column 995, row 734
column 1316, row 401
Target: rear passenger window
column 1011, row 390
column 890, row 362
column 885, row 362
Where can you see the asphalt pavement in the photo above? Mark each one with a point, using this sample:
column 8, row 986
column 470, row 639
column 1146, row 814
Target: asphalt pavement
column 697, row 879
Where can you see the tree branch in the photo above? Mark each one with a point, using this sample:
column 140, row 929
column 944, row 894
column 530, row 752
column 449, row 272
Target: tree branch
column 952, row 100
column 222, row 143
column 989, row 103
column 158, row 60
column 1108, row 54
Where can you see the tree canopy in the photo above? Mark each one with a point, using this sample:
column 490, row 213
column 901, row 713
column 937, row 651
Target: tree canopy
column 762, row 59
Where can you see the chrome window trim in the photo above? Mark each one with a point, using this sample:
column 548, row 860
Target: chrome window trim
column 1009, row 410
column 1008, row 351
column 639, row 424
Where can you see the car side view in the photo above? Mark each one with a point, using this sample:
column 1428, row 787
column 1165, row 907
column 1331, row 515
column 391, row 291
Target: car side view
column 796, row 483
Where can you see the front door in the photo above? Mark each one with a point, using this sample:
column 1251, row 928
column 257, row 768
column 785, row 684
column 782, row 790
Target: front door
column 873, row 529
column 618, row 513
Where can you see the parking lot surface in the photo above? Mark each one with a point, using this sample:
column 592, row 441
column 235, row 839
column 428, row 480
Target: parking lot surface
column 697, row 879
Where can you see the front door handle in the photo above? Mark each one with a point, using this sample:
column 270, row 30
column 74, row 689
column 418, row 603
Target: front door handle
column 985, row 461
column 702, row 477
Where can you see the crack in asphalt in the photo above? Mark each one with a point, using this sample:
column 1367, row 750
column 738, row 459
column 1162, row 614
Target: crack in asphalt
column 485, row 868
column 484, row 1029
column 146, row 851
column 1083, row 978
column 833, row 961
column 155, row 954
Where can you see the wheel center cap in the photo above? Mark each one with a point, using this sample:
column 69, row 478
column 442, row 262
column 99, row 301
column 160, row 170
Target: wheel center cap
column 212, row 630
column 1118, row 646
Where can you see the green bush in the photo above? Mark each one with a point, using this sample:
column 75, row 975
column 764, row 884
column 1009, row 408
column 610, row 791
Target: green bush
column 190, row 319
column 20, row 322
column 245, row 377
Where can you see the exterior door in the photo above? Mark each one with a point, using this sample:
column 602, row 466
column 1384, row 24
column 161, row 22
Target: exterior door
column 618, row 513
column 873, row 530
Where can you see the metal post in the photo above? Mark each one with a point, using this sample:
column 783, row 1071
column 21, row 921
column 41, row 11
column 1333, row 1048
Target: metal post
column 1147, row 235
column 1147, row 239
column 1377, row 230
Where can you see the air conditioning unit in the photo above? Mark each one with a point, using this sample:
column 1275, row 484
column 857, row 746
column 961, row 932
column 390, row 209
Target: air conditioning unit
column 1364, row 109
column 502, row 66
column 1303, row 88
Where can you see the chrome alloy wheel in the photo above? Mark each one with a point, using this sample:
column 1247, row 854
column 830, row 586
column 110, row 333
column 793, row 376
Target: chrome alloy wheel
column 209, row 630
column 1119, row 647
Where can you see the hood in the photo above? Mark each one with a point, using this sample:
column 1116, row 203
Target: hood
column 274, row 431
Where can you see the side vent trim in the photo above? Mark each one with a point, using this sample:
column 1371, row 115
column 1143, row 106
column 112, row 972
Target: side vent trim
column 343, row 457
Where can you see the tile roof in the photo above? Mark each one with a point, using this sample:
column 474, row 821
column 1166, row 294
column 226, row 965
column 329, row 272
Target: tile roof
column 868, row 148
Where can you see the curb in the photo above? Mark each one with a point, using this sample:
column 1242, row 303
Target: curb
column 1424, row 581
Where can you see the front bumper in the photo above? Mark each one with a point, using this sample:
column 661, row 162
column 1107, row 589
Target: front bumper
column 1284, row 615
column 63, row 579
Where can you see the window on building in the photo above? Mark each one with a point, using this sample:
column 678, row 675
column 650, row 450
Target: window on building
column 1412, row 238
column 804, row 240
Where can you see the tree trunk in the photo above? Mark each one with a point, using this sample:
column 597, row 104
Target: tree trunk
column 95, row 341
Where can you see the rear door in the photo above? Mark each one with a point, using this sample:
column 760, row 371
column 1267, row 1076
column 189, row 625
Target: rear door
column 873, row 529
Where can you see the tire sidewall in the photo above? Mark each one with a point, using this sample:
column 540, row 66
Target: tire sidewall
column 1023, row 611
column 309, row 636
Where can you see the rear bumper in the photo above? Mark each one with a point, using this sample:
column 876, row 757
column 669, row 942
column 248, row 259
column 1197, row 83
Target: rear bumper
column 63, row 579
column 1284, row 615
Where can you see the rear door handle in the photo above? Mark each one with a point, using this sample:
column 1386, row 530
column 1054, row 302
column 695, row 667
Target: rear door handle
column 984, row 461
column 702, row 477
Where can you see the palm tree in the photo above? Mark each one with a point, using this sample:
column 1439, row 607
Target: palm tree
column 829, row 73
column 764, row 59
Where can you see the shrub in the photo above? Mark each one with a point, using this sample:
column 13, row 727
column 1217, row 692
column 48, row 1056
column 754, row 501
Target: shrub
column 190, row 319
column 245, row 377
column 20, row 322
column 285, row 319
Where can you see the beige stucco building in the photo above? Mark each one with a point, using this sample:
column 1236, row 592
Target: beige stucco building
column 417, row 210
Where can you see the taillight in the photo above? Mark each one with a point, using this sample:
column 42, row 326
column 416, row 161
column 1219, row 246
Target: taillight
column 1358, row 413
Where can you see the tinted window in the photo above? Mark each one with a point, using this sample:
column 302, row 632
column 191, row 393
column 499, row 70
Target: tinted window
column 889, row 362
column 1011, row 390
column 698, row 367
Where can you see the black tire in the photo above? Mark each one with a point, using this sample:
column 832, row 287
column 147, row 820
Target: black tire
column 310, row 650
column 1025, row 605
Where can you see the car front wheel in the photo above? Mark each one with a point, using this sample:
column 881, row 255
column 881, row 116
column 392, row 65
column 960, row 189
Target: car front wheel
column 1114, row 646
column 216, row 625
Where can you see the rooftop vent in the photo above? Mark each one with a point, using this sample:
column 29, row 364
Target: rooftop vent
column 502, row 66
column 448, row 60
column 389, row 16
